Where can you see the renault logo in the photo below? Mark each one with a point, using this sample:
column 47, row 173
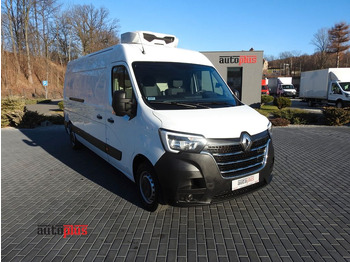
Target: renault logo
column 246, row 142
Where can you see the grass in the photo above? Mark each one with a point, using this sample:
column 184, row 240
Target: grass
column 267, row 110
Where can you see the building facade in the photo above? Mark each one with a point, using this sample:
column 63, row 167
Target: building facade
column 242, row 71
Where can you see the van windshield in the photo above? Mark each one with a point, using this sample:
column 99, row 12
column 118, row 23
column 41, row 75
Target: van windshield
column 166, row 85
column 345, row 86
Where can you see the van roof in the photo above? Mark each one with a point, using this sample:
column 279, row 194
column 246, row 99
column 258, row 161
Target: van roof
column 130, row 53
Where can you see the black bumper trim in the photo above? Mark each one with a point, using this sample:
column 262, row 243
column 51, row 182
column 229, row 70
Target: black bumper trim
column 189, row 179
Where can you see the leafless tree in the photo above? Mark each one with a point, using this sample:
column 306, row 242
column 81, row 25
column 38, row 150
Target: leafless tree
column 93, row 27
column 10, row 19
column 321, row 42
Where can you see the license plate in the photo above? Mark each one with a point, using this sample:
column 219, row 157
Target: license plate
column 245, row 181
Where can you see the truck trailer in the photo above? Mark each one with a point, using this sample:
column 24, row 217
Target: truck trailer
column 327, row 86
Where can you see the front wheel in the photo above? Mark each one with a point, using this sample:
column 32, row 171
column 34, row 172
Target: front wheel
column 339, row 104
column 148, row 186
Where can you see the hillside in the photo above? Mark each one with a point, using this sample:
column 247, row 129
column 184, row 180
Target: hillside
column 17, row 84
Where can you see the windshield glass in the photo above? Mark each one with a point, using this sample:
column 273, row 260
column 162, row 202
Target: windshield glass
column 288, row 87
column 345, row 86
column 166, row 85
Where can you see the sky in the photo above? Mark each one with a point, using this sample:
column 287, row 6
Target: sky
column 273, row 26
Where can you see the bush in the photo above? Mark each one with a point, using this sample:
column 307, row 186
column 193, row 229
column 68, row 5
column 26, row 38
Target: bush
column 31, row 119
column 11, row 112
column 14, row 113
column 296, row 116
column 280, row 122
column 282, row 102
column 266, row 99
column 336, row 116
column 61, row 105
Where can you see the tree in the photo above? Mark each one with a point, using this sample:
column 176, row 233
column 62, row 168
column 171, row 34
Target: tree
column 10, row 23
column 27, row 5
column 93, row 28
column 339, row 35
column 321, row 42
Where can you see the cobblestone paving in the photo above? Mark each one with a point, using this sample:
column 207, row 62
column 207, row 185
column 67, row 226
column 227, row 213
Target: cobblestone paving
column 304, row 214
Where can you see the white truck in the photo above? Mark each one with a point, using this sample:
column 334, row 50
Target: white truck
column 166, row 119
column 282, row 86
column 327, row 86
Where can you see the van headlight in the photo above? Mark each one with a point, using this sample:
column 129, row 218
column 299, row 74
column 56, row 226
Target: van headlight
column 269, row 128
column 175, row 142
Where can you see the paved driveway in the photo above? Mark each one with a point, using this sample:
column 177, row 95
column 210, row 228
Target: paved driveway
column 304, row 214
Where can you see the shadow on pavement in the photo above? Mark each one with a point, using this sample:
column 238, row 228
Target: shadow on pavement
column 55, row 141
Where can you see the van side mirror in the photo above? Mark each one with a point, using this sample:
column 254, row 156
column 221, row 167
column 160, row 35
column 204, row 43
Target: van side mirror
column 236, row 92
column 123, row 106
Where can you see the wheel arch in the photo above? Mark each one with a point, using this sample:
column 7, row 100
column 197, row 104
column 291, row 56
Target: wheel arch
column 138, row 160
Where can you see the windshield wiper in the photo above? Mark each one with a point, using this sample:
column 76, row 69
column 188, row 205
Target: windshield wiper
column 217, row 103
column 189, row 105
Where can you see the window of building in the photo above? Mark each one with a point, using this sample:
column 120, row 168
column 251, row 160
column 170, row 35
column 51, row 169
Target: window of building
column 234, row 79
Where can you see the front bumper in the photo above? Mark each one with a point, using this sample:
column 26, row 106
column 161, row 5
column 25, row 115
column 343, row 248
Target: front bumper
column 188, row 179
column 289, row 94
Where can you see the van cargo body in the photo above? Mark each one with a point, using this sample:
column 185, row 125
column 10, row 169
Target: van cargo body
column 282, row 86
column 165, row 118
column 329, row 86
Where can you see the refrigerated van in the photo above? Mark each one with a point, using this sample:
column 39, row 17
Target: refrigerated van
column 166, row 119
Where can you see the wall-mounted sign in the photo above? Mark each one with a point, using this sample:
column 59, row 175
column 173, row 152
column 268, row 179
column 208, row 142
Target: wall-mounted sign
column 243, row 59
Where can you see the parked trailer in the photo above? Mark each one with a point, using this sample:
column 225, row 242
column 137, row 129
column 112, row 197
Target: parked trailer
column 326, row 86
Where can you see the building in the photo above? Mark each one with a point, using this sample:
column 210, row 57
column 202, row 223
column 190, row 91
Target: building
column 242, row 71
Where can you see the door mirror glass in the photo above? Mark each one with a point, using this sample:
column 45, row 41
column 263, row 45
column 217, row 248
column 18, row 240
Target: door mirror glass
column 121, row 105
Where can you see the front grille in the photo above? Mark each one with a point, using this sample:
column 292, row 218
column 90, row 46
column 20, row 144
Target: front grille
column 233, row 161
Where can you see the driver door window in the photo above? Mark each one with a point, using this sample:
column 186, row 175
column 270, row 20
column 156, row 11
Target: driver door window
column 121, row 81
column 336, row 89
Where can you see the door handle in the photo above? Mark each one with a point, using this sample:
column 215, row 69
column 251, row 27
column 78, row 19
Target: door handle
column 110, row 120
column 99, row 116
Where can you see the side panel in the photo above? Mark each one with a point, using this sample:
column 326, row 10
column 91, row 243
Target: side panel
column 85, row 100
column 314, row 84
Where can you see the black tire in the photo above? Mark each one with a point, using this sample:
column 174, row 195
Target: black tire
column 148, row 187
column 309, row 103
column 339, row 104
column 75, row 144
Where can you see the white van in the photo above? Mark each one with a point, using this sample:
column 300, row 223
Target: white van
column 165, row 118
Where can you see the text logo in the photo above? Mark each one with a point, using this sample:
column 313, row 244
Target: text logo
column 243, row 59
column 65, row 230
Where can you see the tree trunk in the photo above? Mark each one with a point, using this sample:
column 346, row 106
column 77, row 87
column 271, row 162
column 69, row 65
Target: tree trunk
column 14, row 49
column 338, row 59
column 26, row 25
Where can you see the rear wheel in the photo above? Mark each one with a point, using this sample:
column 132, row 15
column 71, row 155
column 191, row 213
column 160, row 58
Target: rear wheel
column 148, row 186
column 309, row 103
column 75, row 144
